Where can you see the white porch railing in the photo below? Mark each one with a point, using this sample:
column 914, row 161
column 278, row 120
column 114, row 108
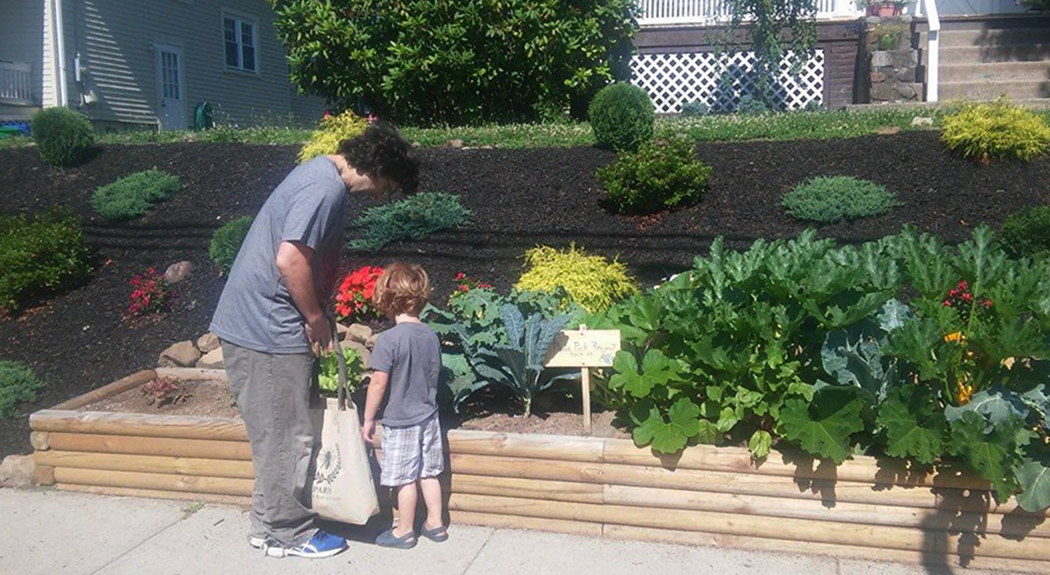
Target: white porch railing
column 16, row 83
column 708, row 12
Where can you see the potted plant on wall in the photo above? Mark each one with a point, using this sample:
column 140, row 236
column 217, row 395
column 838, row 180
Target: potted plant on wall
column 884, row 8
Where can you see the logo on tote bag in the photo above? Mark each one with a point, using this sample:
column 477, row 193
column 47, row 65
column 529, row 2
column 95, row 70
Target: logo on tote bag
column 329, row 464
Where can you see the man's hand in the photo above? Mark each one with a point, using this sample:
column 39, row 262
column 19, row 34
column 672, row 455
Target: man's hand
column 319, row 333
column 368, row 431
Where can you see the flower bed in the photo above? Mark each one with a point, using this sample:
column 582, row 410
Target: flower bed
column 864, row 508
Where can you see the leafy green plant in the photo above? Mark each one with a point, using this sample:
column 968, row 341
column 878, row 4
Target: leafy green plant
column 18, row 385
column 132, row 196
column 657, row 177
column 591, row 281
column 752, row 106
column 622, row 116
column 328, row 375
column 325, row 139
column 40, row 256
column 695, row 108
column 830, row 199
column 64, row 138
column 413, row 218
column 227, row 240
column 1027, row 233
column 456, row 63
column 995, row 131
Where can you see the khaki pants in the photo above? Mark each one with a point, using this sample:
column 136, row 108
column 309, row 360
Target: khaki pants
column 273, row 393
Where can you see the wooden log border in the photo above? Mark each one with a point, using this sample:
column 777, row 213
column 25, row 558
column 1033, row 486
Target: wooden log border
column 864, row 509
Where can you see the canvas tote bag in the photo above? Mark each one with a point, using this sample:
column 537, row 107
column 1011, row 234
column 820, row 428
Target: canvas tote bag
column 342, row 488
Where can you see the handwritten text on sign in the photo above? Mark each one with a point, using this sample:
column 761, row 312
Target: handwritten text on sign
column 588, row 348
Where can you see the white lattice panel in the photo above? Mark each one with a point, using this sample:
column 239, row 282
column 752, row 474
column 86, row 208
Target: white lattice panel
column 719, row 80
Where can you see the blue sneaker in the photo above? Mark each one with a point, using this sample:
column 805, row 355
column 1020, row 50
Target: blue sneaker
column 319, row 546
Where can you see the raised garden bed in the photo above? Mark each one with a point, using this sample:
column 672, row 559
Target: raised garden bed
column 865, row 508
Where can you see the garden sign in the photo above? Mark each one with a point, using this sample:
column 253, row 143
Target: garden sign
column 584, row 349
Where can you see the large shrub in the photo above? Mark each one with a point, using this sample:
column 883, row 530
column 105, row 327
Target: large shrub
column 413, row 218
column 40, row 256
column 325, row 139
column 995, row 131
column 829, row 199
column 591, row 281
column 64, row 137
column 18, row 385
column 659, row 176
column 132, row 196
column 1027, row 233
column 463, row 62
column 814, row 345
column 622, row 116
column 227, row 242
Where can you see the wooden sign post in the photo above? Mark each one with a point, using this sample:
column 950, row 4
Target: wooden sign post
column 584, row 349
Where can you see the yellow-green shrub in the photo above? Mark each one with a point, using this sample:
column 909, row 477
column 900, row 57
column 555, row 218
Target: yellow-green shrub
column 593, row 282
column 998, row 130
column 334, row 129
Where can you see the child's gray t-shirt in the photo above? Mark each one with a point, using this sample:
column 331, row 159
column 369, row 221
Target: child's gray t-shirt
column 411, row 354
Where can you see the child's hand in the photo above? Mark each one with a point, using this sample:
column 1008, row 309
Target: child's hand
column 368, row 431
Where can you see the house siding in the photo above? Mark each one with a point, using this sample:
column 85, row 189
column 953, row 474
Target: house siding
column 117, row 40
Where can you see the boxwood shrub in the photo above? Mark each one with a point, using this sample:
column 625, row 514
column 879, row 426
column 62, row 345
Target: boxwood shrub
column 661, row 175
column 622, row 116
column 132, row 196
column 995, row 131
column 40, row 256
column 1027, row 233
column 18, row 385
column 413, row 218
column 227, row 242
column 64, row 137
column 829, row 199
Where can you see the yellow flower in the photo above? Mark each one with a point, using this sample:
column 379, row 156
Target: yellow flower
column 957, row 336
column 963, row 393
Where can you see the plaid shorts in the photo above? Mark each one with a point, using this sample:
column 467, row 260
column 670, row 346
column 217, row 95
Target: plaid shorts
column 412, row 452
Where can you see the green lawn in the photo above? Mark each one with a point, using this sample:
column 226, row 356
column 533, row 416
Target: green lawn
column 720, row 128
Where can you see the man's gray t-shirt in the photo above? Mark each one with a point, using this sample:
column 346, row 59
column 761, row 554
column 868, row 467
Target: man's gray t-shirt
column 255, row 310
column 411, row 354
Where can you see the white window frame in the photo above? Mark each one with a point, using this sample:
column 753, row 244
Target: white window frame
column 239, row 21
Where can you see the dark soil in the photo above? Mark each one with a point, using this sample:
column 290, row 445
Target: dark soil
column 207, row 398
column 520, row 198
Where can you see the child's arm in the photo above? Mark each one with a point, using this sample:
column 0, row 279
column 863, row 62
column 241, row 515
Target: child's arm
column 376, row 392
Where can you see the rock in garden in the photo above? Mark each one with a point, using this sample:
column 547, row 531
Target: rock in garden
column 920, row 121
column 17, row 471
column 182, row 354
column 455, row 143
column 208, row 343
column 212, row 360
column 371, row 342
column 178, row 271
column 359, row 333
column 340, row 329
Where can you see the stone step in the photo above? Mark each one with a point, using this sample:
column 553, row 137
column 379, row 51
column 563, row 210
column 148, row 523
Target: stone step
column 998, row 71
column 993, row 38
column 989, row 54
column 992, row 90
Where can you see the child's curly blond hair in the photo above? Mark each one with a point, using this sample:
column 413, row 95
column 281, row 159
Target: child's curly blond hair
column 402, row 288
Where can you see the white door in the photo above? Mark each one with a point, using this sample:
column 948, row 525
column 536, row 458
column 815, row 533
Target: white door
column 169, row 71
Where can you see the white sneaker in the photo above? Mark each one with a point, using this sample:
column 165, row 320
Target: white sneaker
column 256, row 541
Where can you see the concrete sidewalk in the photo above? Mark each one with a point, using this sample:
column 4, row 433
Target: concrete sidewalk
column 54, row 533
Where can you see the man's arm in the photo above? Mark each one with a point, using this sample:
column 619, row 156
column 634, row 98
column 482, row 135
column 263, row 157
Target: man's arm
column 293, row 262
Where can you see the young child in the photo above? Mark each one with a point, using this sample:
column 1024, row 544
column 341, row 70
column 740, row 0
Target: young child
column 407, row 361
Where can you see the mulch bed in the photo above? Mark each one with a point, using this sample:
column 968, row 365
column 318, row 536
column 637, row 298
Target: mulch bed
column 520, row 198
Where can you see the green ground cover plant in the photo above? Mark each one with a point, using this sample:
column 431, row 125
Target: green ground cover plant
column 40, row 256
column 591, row 281
column 413, row 218
column 18, row 385
column 659, row 176
column 227, row 242
column 132, row 196
column 64, row 138
column 828, row 199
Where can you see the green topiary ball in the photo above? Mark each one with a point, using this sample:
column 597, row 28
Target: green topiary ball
column 227, row 242
column 1027, row 233
column 64, row 137
column 622, row 116
column 830, row 199
column 18, row 384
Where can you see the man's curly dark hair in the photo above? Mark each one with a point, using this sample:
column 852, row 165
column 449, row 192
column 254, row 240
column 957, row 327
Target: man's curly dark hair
column 381, row 152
